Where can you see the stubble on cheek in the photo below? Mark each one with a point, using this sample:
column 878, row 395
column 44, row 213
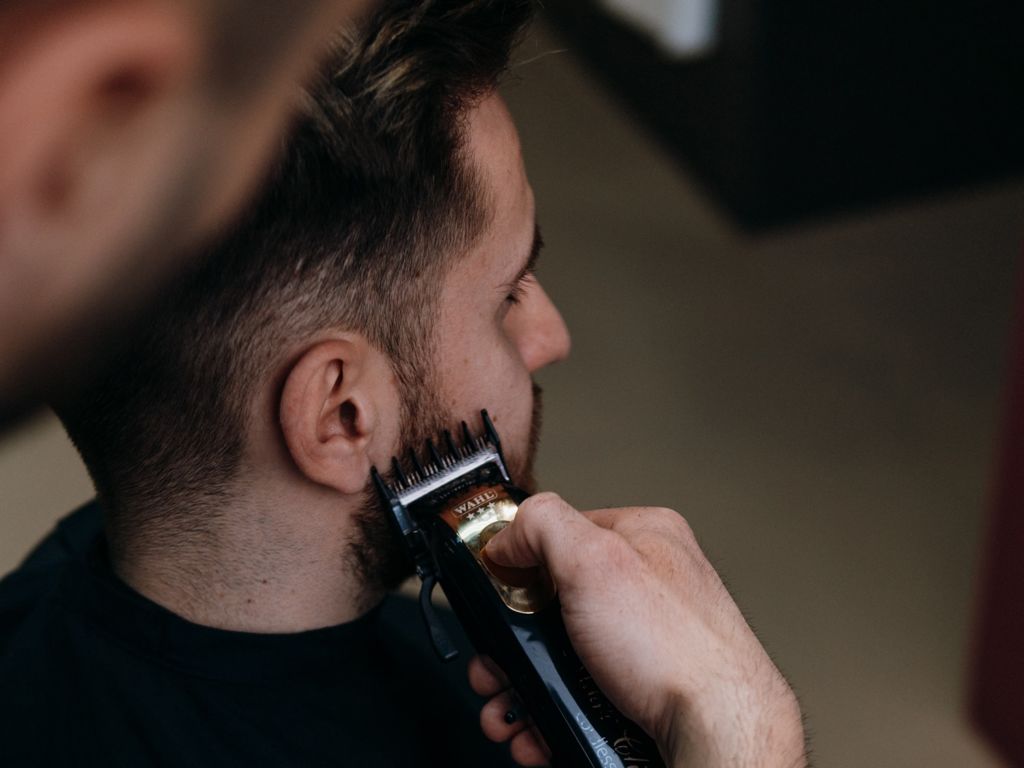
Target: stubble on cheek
column 376, row 553
column 521, row 464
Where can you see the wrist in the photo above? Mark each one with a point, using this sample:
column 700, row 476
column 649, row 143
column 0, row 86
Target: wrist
column 738, row 727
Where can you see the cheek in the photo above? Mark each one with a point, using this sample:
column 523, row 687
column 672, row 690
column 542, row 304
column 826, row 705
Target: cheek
column 512, row 404
column 489, row 374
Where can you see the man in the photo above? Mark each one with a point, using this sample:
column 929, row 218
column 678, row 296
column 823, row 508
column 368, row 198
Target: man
column 128, row 131
column 232, row 617
column 380, row 290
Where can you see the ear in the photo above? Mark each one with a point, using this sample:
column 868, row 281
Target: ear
column 72, row 92
column 334, row 408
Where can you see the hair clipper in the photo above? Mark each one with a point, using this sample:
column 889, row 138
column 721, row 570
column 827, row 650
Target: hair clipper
column 446, row 510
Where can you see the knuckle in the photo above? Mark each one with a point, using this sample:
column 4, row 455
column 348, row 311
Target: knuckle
column 489, row 725
column 664, row 514
column 664, row 525
column 543, row 500
column 528, row 513
column 678, row 524
column 481, row 679
column 664, row 518
column 542, row 510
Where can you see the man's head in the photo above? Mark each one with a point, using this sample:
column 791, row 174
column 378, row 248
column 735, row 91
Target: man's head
column 379, row 290
column 129, row 130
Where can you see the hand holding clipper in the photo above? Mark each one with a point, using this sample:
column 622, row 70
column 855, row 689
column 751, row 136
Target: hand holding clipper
column 446, row 513
column 654, row 624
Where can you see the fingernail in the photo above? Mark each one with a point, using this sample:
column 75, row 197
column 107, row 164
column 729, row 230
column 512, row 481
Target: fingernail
column 496, row 537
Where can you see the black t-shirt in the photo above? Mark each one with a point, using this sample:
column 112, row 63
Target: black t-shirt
column 92, row 673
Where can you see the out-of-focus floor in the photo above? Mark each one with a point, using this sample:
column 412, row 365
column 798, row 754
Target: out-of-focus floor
column 821, row 403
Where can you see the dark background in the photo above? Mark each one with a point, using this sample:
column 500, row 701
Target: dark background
column 810, row 107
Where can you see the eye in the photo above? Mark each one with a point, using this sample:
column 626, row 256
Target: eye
column 515, row 296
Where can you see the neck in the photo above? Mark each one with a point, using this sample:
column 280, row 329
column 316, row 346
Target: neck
column 259, row 564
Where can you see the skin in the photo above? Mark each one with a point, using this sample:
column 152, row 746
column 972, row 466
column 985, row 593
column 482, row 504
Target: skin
column 116, row 158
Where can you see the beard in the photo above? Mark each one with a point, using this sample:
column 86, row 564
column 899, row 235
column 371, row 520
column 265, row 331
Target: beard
column 376, row 552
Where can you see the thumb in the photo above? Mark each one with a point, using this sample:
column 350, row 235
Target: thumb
column 545, row 531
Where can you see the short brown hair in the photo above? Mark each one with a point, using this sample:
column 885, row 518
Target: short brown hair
column 368, row 204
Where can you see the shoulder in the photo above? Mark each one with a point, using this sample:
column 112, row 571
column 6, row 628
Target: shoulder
column 25, row 589
column 28, row 586
column 71, row 537
column 32, row 651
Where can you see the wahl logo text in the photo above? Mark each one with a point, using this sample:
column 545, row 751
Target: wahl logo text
column 475, row 503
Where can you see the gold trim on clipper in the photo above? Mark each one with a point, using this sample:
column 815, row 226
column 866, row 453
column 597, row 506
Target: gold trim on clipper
column 476, row 516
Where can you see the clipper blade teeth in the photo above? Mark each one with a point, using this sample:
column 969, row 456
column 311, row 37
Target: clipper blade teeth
column 415, row 462
column 434, row 455
column 417, row 469
column 396, row 468
column 453, row 450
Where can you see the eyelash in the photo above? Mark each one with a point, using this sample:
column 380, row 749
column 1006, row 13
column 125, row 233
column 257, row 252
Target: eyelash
column 515, row 296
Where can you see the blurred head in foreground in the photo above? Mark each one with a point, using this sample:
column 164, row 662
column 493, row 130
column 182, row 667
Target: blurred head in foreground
column 129, row 130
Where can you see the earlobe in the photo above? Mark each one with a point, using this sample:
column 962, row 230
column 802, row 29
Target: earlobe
column 329, row 413
column 70, row 89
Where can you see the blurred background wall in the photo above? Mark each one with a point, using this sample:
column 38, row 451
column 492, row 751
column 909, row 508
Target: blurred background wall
column 820, row 400
column 791, row 110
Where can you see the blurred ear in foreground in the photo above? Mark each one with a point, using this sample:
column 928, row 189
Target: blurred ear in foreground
column 90, row 127
column 80, row 95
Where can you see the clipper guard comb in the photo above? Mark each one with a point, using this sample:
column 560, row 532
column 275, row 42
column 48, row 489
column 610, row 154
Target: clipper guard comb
column 446, row 507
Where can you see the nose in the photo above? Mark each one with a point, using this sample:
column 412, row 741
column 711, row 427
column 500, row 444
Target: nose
column 539, row 331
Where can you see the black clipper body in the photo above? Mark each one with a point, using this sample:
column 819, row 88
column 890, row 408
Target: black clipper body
column 446, row 512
